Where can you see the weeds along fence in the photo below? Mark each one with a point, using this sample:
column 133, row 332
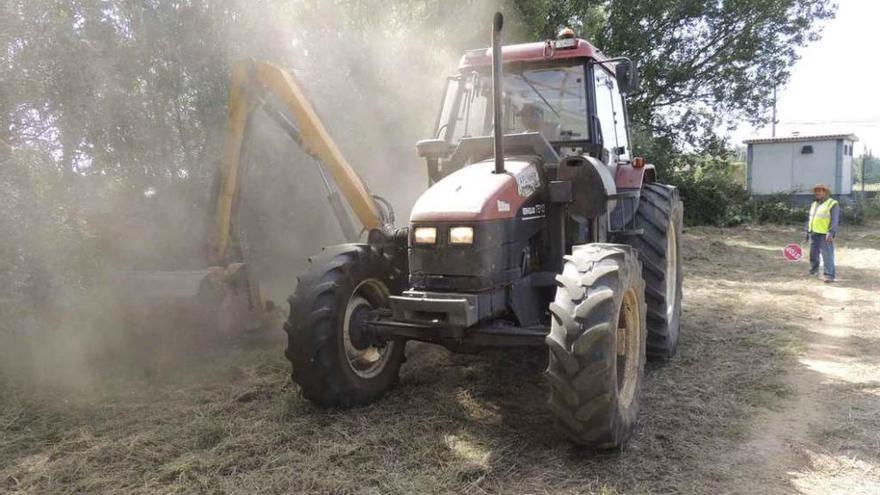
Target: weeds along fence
column 713, row 199
column 779, row 208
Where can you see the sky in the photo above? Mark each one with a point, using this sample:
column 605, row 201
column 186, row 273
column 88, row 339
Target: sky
column 835, row 86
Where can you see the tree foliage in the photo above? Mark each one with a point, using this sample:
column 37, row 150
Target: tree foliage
column 703, row 62
column 867, row 168
column 709, row 188
column 137, row 88
column 121, row 105
column 103, row 101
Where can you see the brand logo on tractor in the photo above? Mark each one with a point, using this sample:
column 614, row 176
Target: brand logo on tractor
column 529, row 211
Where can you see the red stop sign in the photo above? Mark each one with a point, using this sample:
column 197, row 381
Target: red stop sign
column 793, row 252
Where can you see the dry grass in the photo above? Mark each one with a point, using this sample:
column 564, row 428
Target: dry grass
column 225, row 417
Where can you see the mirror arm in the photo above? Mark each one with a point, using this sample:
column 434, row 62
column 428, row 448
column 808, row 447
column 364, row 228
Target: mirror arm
column 633, row 72
column 609, row 60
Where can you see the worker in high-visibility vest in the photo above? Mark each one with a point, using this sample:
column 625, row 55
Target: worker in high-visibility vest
column 821, row 230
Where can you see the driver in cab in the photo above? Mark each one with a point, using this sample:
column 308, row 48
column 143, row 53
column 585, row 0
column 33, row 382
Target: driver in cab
column 531, row 117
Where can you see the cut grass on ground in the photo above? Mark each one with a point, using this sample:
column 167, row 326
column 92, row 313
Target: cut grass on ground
column 226, row 417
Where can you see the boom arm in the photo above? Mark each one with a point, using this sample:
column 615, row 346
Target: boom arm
column 251, row 81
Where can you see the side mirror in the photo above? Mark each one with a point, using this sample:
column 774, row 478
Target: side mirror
column 433, row 148
column 627, row 75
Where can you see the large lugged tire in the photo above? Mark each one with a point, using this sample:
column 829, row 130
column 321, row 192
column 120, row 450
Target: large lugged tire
column 332, row 362
column 597, row 345
column 660, row 216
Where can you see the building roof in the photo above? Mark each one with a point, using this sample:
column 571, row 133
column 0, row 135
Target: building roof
column 795, row 139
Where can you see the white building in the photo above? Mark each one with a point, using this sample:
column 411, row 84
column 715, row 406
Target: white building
column 794, row 164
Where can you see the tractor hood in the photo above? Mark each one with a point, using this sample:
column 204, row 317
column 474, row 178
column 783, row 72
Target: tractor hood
column 476, row 193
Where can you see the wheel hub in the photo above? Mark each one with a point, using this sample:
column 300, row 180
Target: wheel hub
column 358, row 332
column 628, row 339
column 366, row 357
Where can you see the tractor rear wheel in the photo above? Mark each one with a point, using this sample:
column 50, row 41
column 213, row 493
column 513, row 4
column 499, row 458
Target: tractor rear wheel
column 597, row 345
column 660, row 216
column 334, row 360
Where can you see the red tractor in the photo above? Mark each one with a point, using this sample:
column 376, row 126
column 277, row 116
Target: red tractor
column 540, row 228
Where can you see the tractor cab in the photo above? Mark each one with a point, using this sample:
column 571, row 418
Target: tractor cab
column 551, row 100
column 565, row 90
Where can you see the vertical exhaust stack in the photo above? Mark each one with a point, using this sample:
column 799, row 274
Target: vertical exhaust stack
column 497, row 91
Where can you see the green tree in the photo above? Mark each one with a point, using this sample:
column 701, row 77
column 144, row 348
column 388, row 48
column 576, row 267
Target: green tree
column 704, row 63
column 866, row 166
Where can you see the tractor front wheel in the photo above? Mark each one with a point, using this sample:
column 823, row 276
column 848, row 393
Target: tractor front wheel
column 334, row 359
column 597, row 345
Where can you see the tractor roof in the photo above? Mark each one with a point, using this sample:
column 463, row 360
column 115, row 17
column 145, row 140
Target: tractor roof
column 530, row 52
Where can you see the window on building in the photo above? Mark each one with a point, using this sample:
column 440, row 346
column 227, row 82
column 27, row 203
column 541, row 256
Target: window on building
column 807, row 150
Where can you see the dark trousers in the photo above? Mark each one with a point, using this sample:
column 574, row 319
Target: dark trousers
column 820, row 246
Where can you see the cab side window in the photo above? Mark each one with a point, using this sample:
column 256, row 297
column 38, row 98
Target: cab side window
column 610, row 110
column 604, row 107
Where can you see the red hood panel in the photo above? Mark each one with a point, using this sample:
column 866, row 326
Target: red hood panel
column 476, row 193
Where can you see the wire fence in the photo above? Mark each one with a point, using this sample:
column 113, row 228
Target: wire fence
column 868, row 187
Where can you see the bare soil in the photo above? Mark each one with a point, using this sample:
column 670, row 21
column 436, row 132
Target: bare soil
column 776, row 389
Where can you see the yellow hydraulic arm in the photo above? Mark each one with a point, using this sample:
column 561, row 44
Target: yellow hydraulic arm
column 252, row 81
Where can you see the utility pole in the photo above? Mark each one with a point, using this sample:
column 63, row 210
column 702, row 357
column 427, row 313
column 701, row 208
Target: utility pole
column 773, row 121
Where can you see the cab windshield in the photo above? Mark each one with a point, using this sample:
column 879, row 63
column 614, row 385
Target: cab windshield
column 549, row 100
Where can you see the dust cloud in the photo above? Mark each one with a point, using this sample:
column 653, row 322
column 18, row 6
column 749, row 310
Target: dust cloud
column 375, row 75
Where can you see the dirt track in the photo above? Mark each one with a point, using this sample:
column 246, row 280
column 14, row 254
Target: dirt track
column 776, row 389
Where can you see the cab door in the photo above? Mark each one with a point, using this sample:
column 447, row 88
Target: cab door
column 611, row 116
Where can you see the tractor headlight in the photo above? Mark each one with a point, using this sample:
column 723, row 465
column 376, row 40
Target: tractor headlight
column 461, row 235
column 425, row 235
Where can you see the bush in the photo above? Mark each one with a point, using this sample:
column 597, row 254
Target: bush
column 778, row 208
column 865, row 207
column 45, row 241
column 710, row 191
column 713, row 195
column 775, row 208
column 853, row 212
